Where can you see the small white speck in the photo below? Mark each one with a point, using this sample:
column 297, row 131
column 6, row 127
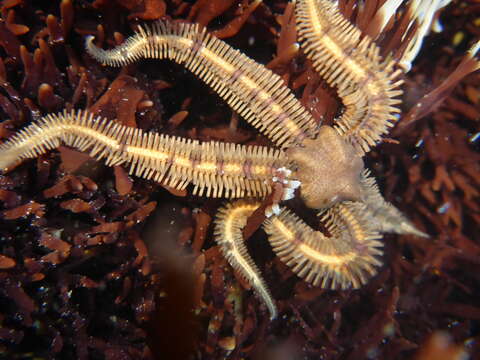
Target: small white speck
column 444, row 208
column 474, row 138
column 276, row 209
column 294, row 184
column 288, row 194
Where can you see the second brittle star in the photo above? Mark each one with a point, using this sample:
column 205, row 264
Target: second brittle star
column 325, row 162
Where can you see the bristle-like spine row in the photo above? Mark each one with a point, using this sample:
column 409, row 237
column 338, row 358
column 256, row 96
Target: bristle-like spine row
column 345, row 259
column 230, row 221
column 215, row 169
column 384, row 217
column 366, row 83
column 254, row 92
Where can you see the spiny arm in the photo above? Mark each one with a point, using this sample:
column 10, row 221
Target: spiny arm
column 217, row 169
column 384, row 217
column 230, row 221
column 347, row 258
column 366, row 84
column 253, row 91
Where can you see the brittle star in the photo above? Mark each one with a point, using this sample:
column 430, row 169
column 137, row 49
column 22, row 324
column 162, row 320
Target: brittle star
column 324, row 162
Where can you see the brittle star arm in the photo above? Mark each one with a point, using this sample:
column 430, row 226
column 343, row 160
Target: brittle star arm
column 384, row 217
column 366, row 84
column 346, row 258
column 230, row 221
column 217, row 169
column 254, row 92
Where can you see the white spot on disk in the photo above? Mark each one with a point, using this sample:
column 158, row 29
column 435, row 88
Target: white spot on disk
column 294, row 184
column 288, row 194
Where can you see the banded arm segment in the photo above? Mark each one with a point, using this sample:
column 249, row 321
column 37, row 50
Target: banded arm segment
column 347, row 258
column 216, row 169
column 366, row 84
column 384, row 217
column 230, row 221
column 254, row 92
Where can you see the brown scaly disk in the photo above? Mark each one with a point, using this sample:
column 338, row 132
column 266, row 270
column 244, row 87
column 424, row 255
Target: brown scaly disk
column 366, row 84
column 216, row 169
column 254, row 92
column 328, row 168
